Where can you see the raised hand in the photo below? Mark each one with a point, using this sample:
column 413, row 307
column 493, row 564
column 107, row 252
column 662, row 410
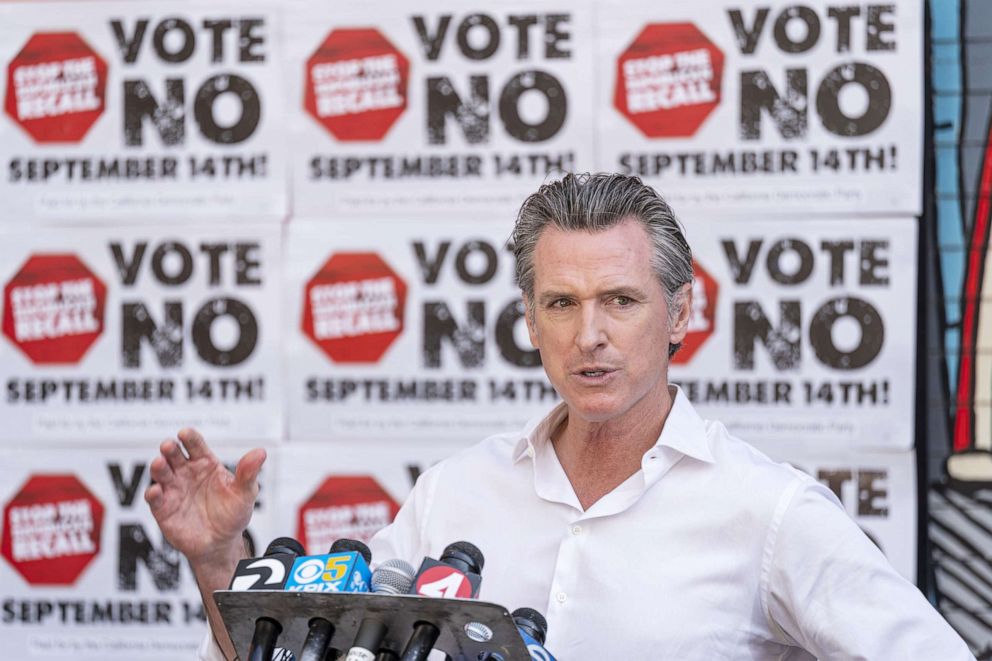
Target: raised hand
column 201, row 506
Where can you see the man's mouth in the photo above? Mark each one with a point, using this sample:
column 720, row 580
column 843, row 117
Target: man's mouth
column 594, row 372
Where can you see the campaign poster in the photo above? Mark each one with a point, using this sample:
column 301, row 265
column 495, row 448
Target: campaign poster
column 803, row 336
column 141, row 111
column 348, row 489
column 85, row 572
column 877, row 490
column 437, row 107
column 406, row 331
column 771, row 107
column 129, row 334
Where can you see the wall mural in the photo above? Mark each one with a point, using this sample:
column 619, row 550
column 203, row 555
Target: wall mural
column 959, row 369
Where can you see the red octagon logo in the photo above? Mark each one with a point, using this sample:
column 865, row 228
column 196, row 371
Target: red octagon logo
column 356, row 84
column 53, row 309
column 56, row 87
column 702, row 316
column 353, row 507
column 51, row 529
column 668, row 80
column 353, row 307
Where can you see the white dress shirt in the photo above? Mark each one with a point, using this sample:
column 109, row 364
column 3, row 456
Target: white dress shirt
column 710, row 551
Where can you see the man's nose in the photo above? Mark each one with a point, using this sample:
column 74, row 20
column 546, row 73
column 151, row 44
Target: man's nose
column 591, row 334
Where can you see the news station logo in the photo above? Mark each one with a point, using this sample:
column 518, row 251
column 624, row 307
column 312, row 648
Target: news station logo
column 53, row 309
column 669, row 80
column 702, row 314
column 356, row 84
column 51, row 529
column 443, row 582
column 56, row 87
column 338, row 572
column 351, row 507
column 354, row 307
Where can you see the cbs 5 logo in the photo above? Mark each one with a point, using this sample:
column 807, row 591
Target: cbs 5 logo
column 329, row 569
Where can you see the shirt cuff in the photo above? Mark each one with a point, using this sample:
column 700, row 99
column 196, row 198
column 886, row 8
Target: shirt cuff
column 209, row 650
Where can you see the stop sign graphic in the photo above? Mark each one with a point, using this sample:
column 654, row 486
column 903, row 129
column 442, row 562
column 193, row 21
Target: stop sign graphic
column 353, row 307
column 53, row 309
column 356, row 84
column 668, row 80
column 702, row 315
column 56, row 87
column 51, row 529
column 344, row 507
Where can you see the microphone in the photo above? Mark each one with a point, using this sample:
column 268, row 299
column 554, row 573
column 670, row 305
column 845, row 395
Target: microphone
column 271, row 570
column 533, row 629
column 457, row 574
column 391, row 577
column 266, row 573
column 344, row 569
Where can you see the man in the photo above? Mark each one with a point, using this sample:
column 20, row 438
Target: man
column 640, row 530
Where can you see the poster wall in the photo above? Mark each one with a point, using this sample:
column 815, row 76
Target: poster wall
column 286, row 224
column 407, row 330
column 735, row 107
column 803, row 330
column 129, row 334
column 141, row 112
column 84, row 571
column 436, row 108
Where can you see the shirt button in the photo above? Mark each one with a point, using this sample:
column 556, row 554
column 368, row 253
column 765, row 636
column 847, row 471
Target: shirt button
column 530, row 452
column 561, row 597
column 576, row 530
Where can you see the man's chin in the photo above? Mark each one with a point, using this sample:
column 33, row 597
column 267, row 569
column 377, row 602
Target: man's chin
column 595, row 411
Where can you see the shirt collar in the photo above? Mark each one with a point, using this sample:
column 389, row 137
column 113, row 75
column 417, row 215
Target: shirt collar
column 684, row 431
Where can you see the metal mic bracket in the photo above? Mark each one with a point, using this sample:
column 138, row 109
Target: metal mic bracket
column 469, row 629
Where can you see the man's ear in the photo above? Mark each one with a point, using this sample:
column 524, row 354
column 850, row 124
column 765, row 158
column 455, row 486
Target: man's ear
column 682, row 301
column 529, row 318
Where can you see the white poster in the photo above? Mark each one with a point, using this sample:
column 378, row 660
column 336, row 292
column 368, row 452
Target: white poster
column 129, row 334
column 348, row 489
column 435, row 108
column 804, row 330
column 772, row 107
column 84, row 570
column 407, row 330
column 877, row 489
column 141, row 111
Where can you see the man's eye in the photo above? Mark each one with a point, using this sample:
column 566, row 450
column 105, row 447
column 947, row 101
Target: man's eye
column 622, row 300
column 560, row 303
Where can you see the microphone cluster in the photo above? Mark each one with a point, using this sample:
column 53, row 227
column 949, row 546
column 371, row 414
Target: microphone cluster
column 345, row 568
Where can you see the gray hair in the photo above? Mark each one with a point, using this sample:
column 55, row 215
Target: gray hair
column 597, row 202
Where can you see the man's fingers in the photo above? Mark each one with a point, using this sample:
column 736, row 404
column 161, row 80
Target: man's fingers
column 195, row 446
column 173, row 454
column 160, row 470
column 154, row 496
column 246, row 472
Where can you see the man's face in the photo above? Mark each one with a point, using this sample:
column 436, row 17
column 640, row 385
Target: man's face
column 600, row 320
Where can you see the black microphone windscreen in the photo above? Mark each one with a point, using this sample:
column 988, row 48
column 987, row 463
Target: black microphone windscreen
column 285, row 545
column 533, row 622
column 352, row 545
column 465, row 552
